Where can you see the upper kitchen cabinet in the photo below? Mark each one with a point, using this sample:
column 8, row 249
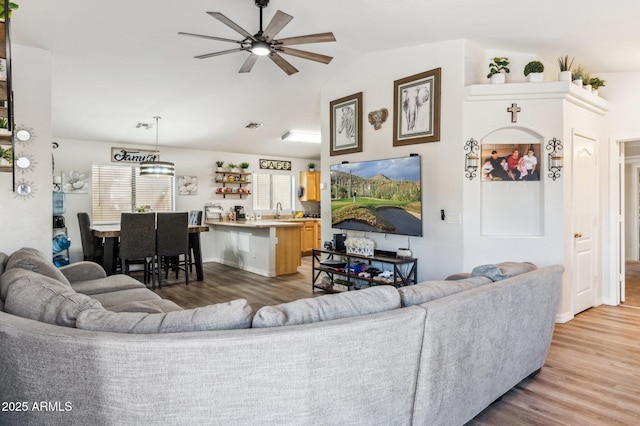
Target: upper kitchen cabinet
column 310, row 184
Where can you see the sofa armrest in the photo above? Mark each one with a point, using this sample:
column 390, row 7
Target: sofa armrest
column 83, row 271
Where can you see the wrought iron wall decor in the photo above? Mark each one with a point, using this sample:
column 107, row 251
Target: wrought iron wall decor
column 555, row 158
column 471, row 158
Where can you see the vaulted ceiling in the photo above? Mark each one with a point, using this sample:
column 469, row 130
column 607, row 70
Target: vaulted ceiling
column 121, row 62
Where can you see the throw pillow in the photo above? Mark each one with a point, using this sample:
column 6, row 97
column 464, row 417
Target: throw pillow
column 33, row 260
column 221, row 316
column 34, row 296
column 490, row 271
column 516, row 268
column 431, row 290
column 328, row 307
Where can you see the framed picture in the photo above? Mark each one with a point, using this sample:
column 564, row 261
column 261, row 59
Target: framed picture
column 516, row 162
column 416, row 118
column 346, row 125
column 75, row 182
column 187, row 185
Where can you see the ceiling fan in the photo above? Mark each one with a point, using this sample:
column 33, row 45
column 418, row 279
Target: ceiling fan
column 263, row 42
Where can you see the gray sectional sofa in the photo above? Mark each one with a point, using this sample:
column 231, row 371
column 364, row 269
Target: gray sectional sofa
column 77, row 347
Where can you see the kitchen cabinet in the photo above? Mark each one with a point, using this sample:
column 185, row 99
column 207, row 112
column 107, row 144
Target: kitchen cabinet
column 307, row 237
column 310, row 182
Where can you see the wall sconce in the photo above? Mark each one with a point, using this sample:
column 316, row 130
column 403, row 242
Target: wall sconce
column 57, row 183
column 555, row 158
column 471, row 158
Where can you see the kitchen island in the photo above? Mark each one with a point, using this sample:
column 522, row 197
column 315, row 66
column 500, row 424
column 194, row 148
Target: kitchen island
column 266, row 247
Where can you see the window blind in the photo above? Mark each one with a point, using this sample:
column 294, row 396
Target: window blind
column 117, row 189
column 269, row 189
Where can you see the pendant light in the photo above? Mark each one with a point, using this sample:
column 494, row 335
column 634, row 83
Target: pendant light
column 157, row 168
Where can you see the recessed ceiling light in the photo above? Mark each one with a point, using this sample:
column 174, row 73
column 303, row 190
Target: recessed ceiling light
column 253, row 125
column 293, row 136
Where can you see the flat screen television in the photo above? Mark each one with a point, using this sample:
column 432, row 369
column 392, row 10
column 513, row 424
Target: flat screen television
column 378, row 196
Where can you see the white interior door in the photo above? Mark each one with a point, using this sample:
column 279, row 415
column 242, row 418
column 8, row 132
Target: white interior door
column 585, row 205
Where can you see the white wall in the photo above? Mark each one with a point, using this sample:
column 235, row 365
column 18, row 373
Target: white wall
column 27, row 222
column 79, row 156
column 440, row 249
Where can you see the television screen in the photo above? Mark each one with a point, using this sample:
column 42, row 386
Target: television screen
column 377, row 196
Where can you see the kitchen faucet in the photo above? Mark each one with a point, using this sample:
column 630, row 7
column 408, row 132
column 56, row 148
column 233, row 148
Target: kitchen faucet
column 278, row 209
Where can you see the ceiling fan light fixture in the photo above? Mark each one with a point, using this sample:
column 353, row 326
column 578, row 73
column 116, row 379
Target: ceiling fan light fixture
column 260, row 48
column 294, row 136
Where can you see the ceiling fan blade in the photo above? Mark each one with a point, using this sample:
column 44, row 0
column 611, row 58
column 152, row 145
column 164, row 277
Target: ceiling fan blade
column 283, row 64
column 311, row 38
column 209, row 37
column 306, row 55
column 229, row 23
column 249, row 63
column 224, row 52
column 278, row 22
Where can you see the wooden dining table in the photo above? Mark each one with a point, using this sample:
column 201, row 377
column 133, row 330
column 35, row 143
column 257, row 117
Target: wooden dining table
column 111, row 234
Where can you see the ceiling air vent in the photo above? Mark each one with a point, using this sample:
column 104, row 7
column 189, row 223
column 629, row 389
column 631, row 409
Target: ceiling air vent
column 145, row 126
column 253, row 125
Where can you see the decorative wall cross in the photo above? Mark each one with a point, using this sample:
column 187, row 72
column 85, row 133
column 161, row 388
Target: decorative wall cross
column 514, row 110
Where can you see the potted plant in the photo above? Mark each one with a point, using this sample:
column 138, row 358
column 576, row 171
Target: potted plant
column 244, row 166
column 12, row 7
column 219, row 165
column 565, row 68
column 6, row 156
column 4, row 126
column 596, row 83
column 534, row 71
column 233, row 167
column 576, row 76
column 311, row 166
column 498, row 69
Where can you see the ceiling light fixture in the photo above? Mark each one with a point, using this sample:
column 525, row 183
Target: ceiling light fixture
column 260, row 48
column 293, row 136
column 157, row 168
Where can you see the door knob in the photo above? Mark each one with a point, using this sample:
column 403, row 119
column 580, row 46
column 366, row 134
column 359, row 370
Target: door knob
column 577, row 235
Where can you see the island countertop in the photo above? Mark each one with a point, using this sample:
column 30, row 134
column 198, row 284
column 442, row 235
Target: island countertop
column 254, row 223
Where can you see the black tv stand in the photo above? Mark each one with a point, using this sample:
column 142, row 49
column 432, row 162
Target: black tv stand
column 405, row 270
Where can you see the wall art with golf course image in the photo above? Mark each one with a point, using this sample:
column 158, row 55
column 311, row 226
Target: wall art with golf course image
column 416, row 115
column 378, row 196
column 346, row 125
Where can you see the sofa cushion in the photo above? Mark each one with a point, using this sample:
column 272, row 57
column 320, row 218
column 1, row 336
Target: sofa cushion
column 114, row 298
column 150, row 306
column 34, row 296
column 431, row 290
column 33, row 260
column 3, row 261
column 107, row 284
column 458, row 276
column 221, row 316
column 328, row 307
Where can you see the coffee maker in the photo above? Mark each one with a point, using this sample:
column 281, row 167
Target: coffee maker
column 240, row 215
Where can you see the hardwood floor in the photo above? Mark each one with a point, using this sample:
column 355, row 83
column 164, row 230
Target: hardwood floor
column 591, row 377
column 632, row 283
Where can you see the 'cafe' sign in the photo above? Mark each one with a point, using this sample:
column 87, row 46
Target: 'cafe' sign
column 126, row 155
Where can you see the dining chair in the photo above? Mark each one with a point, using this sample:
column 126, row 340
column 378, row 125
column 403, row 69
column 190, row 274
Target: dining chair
column 92, row 247
column 138, row 243
column 195, row 218
column 173, row 242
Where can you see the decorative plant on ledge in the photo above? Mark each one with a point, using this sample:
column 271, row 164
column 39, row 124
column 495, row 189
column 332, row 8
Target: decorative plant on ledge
column 311, row 166
column 596, row 83
column 533, row 71
column 12, row 7
column 564, row 63
column 244, row 165
column 219, row 163
column 498, row 69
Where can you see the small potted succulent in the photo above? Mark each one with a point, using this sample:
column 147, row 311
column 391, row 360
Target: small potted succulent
column 4, row 126
column 565, row 68
column 220, row 166
column 244, row 166
column 311, row 166
column 233, row 168
column 596, row 83
column 577, row 76
column 497, row 70
column 534, row 71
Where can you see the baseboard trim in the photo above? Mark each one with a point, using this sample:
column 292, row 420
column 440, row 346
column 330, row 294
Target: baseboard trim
column 564, row 317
